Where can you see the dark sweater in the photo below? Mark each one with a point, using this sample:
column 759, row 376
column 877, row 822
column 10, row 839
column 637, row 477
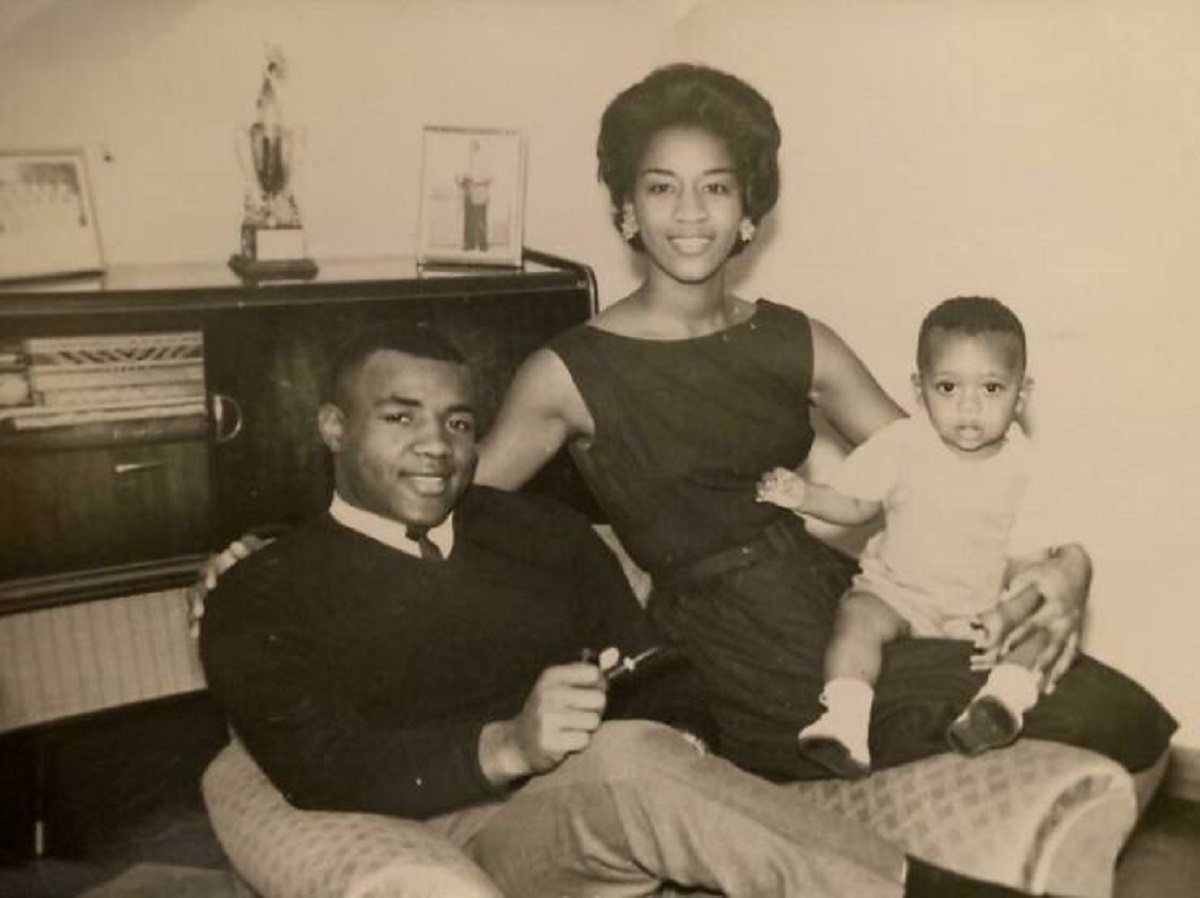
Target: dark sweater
column 360, row 677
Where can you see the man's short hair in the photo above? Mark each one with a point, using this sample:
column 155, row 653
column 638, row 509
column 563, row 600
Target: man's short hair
column 969, row 316
column 420, row 340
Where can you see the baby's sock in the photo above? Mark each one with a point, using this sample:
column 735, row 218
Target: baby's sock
column 1015, row 686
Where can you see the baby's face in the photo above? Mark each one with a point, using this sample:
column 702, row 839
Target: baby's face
column 973, row 387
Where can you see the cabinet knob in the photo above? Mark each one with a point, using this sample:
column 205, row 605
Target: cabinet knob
column 227, row 417
column 132, row 467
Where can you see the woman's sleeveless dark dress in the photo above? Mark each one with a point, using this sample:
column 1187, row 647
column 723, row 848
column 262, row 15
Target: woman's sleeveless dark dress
column 683, row 431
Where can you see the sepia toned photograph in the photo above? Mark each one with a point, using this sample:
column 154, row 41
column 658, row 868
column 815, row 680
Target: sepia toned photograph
column 685, row 447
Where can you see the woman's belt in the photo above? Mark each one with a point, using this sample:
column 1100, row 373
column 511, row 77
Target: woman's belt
column 777, row 538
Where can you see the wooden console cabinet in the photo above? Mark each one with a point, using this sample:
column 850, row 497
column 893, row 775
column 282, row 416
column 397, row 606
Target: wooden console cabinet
column 110, row 505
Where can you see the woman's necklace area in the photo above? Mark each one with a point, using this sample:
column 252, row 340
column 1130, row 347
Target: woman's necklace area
column 670, row 321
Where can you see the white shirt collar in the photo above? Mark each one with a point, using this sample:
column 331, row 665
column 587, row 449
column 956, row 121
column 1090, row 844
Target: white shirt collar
column 388, row 531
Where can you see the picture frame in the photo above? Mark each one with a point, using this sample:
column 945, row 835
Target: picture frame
column 472, row 196
column 47, row 218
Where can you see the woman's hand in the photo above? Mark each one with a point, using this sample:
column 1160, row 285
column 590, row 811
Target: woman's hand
column 989, row 630
column 212, row 569
column 1062, row 579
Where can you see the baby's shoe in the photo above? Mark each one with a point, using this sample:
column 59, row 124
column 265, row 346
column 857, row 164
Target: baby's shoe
column 994, row 717
column 837, row 745
column 837, row 740
column 986, row 723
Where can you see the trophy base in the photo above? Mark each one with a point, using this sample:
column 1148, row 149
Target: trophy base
column 272, row 269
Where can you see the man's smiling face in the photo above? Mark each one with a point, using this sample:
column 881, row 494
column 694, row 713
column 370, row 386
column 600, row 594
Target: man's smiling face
column 403, row 436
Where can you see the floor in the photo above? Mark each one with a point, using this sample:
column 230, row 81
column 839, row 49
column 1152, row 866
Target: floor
column 165, row 825
column 133, row 782
column 1162, row 859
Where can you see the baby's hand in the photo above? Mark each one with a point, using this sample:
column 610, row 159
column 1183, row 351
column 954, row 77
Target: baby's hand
column 783, row 488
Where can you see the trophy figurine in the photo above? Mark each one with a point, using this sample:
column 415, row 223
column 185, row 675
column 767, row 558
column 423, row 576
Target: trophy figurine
column 272, row 244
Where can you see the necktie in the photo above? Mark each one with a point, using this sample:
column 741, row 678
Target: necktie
column 429, row 549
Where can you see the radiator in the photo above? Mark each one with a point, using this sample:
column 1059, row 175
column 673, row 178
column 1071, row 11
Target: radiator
column 74, row 659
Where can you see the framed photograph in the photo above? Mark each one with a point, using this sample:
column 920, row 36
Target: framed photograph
column 47, row 222
column 472, row 196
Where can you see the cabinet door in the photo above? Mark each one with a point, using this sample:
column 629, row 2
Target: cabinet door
column 267, row 367
column 70, row 509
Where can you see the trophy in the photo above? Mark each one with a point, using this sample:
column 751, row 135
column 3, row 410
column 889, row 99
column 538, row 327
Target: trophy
column 272, row 241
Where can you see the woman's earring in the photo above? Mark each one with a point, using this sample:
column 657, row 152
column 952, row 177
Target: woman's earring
column 629, row 225
column 746, row 230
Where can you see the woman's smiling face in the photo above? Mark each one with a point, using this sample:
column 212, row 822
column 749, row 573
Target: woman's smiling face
column 687, row 203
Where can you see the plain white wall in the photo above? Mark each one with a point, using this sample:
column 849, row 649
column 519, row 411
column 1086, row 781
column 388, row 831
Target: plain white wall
column 161, row 89
column 1047, row 153
column 1044, row 151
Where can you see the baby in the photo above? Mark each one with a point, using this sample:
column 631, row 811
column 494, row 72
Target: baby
column 949, row 484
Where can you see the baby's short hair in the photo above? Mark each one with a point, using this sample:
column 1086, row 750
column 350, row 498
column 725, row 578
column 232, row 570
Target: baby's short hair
column 968, row 316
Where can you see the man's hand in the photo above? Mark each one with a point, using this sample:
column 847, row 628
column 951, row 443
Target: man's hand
column 782, row 487
column 563, row 710
column 213, row 567
column 1062, row 580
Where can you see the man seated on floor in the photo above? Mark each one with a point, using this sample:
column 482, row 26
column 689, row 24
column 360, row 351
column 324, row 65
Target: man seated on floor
column 416, row 651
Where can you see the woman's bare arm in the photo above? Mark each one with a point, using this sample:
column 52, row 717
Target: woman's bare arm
column 844, row 391
column 542, row 411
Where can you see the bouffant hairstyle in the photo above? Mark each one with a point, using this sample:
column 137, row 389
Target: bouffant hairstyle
column 970, row 316
column 692, row 96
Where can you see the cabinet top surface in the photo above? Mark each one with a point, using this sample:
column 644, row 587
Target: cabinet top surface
column 218, row 276
column 213, row 285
